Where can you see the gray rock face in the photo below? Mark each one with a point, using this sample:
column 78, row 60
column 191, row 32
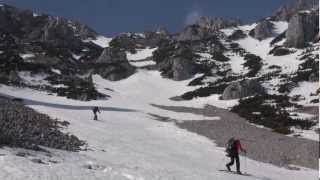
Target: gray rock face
column 113, row 65
column 177, row 68
column 313, row 77
column 29, row 27
column 303, row 28
column 263, row 30
column 242, row 89
column 192, row 33
column 284, row 13
column 205, row 27
column 216, row 23
column 182, row 69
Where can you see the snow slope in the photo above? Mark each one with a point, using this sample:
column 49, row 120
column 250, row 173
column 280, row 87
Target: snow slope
column 127, row 143
column 101, row 41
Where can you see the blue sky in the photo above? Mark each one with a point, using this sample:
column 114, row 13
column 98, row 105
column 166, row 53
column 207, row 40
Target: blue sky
column 111, row 17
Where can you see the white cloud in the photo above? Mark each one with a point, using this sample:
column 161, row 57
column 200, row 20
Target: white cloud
column 192, row 17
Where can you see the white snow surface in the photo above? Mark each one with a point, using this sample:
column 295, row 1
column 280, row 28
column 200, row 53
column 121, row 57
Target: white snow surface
column 131, row 145
column 305, row 89
column 141, row 54
column 101, row 41
column 139, row 58
column 27, row 55
column 31, row 79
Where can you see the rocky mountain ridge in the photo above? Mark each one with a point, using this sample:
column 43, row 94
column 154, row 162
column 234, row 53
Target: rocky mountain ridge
column 271, row 57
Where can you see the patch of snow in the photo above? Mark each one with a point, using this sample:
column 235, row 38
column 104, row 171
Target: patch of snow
column 254, row 46
column 256, row 113
column 236, row 62
column 141, row 54
column 75, row 56
column 57, row 71
column 247, row 28
column 204, row 56
column 27, row 56
column 126, row 143
column 280, row 26
column 210, row 79
column 101, row 41
column 33, row 79
column 307, row 134
column 299, row 115
column 228, row 31
column 305, row 89
column 142, row 63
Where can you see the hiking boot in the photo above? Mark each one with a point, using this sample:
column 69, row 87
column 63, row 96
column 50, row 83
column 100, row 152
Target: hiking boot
column 228, row 167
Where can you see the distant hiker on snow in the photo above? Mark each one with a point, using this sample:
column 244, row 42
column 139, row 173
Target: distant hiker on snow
column 233, row 148
column 95, row 110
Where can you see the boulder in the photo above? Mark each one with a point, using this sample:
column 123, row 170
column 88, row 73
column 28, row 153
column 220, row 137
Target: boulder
column 263, row 30
column 303, row 28
column 236, row 35
column 113, row 65
column 177, row 68
column 280, row 51
column 313, row 77
column 13, row 77
column 242, row 89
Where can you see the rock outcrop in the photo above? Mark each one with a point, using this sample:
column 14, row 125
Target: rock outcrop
column 263, row 30
column 303, row 28
column 21, row 126
column 192, row 33
column 285, row 12
column 216, row 23
column 113, row 65
column 242, row 89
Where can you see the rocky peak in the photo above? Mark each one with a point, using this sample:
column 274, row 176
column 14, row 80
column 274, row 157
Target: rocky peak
column 263, row 30
column 30, row 26
column 303, row 28
column 216, row 23
column 285, row 12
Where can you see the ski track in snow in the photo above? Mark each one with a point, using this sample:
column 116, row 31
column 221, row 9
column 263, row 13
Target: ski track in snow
column 129, row 144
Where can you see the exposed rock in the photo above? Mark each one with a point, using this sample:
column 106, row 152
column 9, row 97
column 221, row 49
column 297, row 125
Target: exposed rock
column 313, row 77
column 113, row 65
column 242, row 89
column 282, row 14
column 236, row 35
column 21, row 126
column 177, row 68
column 280, row 51
column 303, row 28
column 279, row 38
column 176, row 60
column 192, row 33
column 216, row 23
column 263, row 30
column 285, row 12
column 14, row 77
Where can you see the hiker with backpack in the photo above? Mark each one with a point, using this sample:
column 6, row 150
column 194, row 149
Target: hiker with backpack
column 95, row 110
column 233, row 149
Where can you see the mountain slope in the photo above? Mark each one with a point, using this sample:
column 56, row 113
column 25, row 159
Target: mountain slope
column 266, row 72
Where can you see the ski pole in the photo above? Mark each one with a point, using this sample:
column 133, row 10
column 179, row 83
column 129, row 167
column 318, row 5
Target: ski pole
column 245, row 162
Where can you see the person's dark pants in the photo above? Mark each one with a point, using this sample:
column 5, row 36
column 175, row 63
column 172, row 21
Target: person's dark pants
column 235, row 157
column 95, row 117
